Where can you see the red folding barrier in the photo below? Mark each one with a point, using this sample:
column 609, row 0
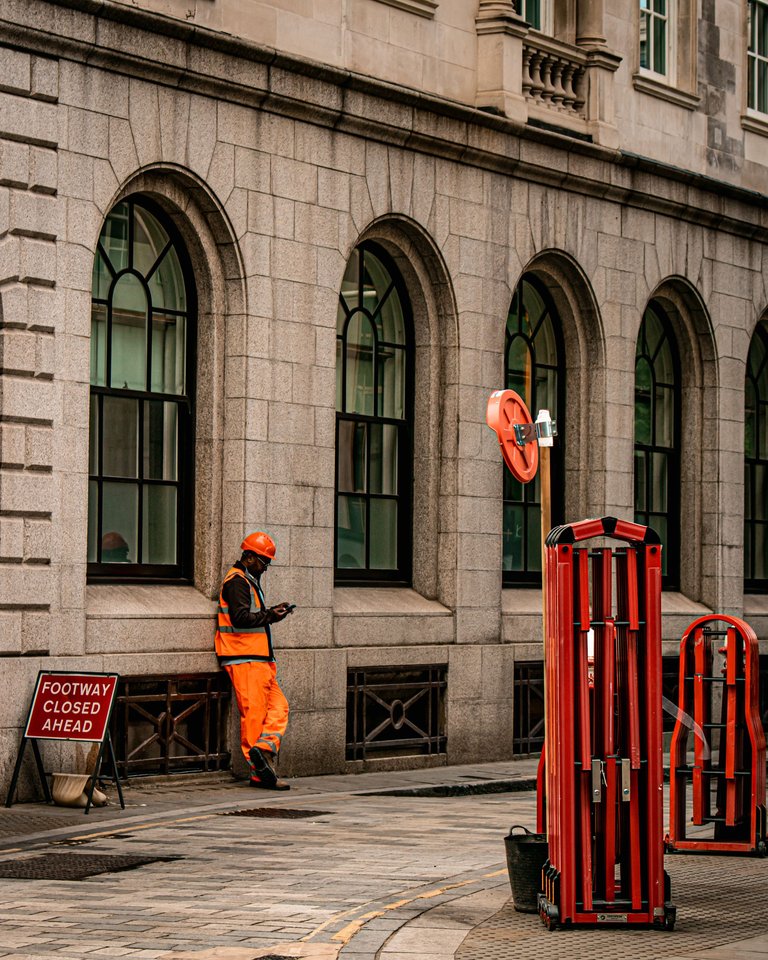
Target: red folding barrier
column 604, row 773
column 719, row 659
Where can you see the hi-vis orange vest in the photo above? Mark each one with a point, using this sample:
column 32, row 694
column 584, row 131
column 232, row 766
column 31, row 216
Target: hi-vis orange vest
column 252, row 642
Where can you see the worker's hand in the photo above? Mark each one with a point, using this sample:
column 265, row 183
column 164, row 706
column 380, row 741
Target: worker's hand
column 281, row 611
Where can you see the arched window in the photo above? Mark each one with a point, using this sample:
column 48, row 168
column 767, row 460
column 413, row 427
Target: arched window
column 373, row 422
column 756, row 463
column 141, row 417
column 533, row 368
column 657, row 433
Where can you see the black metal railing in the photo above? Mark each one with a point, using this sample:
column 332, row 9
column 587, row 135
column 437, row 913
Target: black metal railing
column 171, row 724
column 396, row 711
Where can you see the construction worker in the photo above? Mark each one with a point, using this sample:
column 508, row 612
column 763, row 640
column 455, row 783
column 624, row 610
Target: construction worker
column 244, row 648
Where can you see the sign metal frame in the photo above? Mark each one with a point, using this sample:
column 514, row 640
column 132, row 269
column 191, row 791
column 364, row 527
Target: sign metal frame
column 104, row 740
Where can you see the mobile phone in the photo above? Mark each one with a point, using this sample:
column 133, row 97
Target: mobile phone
column 290, row 607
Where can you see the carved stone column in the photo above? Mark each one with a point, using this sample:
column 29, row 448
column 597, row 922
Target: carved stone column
column 590, row 25
column 500, row 34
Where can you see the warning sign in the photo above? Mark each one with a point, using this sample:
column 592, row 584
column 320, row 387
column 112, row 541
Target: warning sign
column 71, row 706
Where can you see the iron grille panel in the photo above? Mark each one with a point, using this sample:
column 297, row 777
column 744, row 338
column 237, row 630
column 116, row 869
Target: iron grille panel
column 528, row 730
column 396, row 711
column 171, row 724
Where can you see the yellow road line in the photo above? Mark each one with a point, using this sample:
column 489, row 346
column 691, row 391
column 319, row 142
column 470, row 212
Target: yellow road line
column 346, row 933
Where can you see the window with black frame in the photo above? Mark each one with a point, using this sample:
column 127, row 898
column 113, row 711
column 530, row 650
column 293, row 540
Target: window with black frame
column 756, row 463
column 140, row 453
column 533, row 368
column 657, row 432
column 374, row 399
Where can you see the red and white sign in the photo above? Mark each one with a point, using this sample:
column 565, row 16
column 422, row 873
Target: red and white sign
column 71, row 706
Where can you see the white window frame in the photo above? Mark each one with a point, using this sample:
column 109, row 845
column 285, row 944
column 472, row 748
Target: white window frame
column 755, row 59
column 670, row 19
column 547, row 18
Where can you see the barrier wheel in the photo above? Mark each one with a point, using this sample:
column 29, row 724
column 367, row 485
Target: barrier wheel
column 505, row 409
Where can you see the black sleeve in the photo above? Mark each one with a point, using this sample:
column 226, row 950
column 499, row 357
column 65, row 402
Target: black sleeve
column 237, row 596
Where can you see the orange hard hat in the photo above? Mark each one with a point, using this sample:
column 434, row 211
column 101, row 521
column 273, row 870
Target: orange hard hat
column 260, row 543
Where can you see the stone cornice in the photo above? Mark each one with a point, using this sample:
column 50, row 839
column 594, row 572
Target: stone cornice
column 171, row 52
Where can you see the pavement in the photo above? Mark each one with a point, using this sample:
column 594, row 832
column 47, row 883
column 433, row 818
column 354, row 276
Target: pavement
column 375, row 866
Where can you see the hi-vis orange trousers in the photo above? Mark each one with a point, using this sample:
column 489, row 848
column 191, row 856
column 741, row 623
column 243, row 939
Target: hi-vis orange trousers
column 262, row 705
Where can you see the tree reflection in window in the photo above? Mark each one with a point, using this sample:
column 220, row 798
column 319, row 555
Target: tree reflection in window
column 657, row 455
column 373, row 403
column 756, row 463
column 533, row 358
column 140, row 408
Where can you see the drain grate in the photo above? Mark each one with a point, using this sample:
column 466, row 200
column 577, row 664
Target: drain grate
column 73, row 866
column 276, row 813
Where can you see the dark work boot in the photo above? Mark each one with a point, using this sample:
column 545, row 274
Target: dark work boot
column 262, row 768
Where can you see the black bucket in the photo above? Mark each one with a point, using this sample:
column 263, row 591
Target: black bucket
column 526, row 853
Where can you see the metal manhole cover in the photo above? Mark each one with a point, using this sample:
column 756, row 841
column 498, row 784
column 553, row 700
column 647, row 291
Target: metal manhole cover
column 73, row 866
column 276, row 813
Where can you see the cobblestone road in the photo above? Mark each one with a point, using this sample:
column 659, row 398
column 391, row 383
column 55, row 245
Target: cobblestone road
column 340, row 872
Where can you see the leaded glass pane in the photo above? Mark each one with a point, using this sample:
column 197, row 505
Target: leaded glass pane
column 665, row 416
column 93, row 434
column 384, row 458
column 658, row 490
column 166, row 284
column 760, row 557
column 663, row 364
column 120, row 508
column 519, row 367
column 129, row 334
column 120, row 455
column 351, row 457
column 93, row 520
column 514, row 521
column 98, row 345
column 350, row 287
column 762, row 427
column 339, row 374
column 641, row 491
column 391, row 382
column 160, row 440
column 533, row 519
column 350, row 533
column 101, row 279
column 114, row 237
column 149, row 240
column 360, row 368
column 389, row 319
column 383, row 534
column 168, row 359
column 159, row 524
column 643, row 385
column 761, row 491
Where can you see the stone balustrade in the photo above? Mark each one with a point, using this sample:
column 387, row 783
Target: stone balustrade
column 554, row 75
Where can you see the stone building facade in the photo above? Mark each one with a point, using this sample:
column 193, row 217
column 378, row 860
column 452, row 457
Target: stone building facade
column 612, row 162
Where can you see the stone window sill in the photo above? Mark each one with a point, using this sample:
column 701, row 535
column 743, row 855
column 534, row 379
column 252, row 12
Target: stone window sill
column 755, row 122
column 135, row 602
column 521, row 601
column 526, row 602
column 755, row 605
column 384, row 602
column 663, row 91
column 422, row 8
